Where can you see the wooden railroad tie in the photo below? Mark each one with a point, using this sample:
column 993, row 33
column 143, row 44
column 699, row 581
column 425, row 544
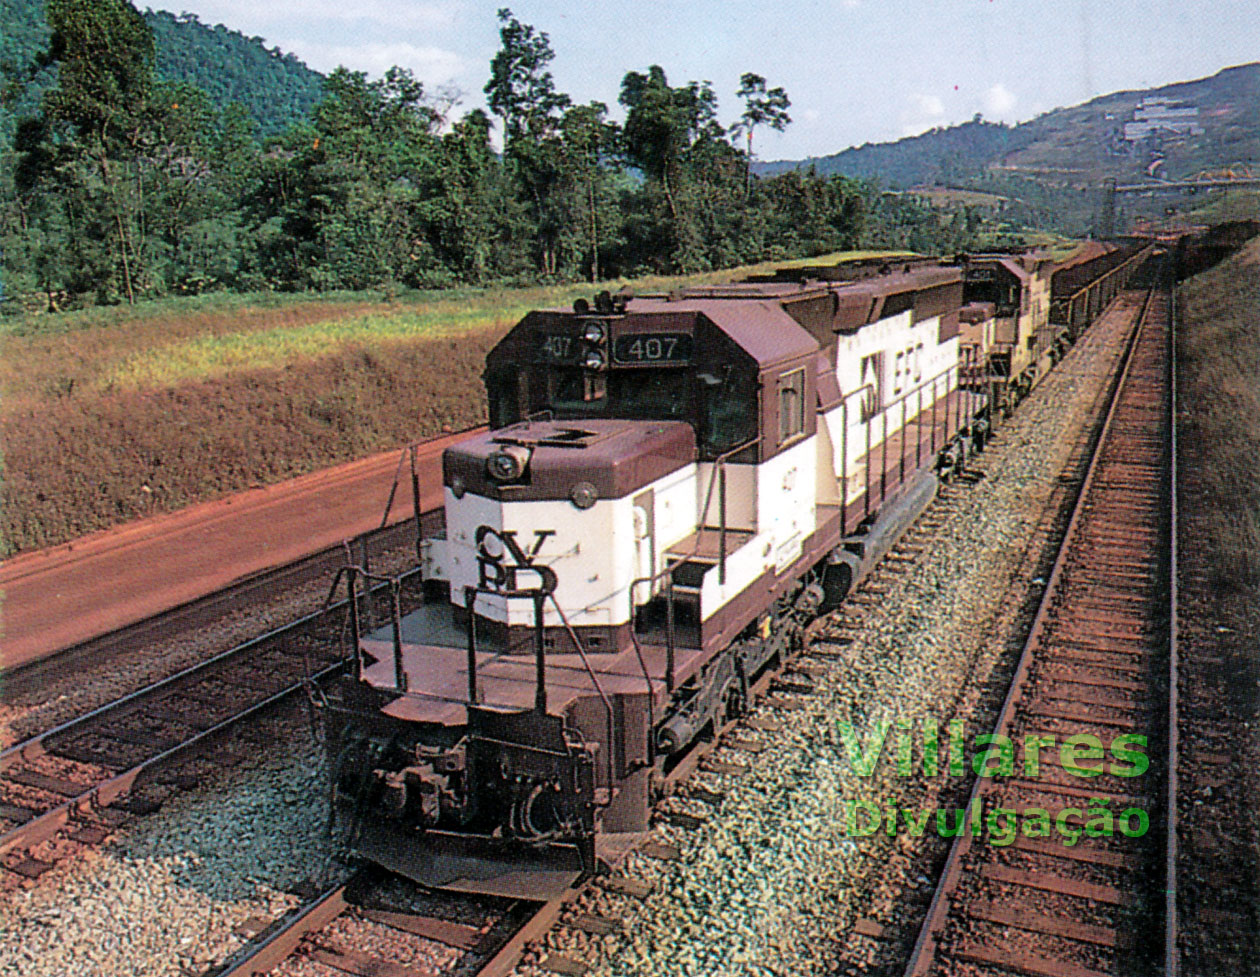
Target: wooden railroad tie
column 559, row 964
column 681, row 820
column 661, row 850
column 724, row 767
column 745, row 745
column 595, row 925
column 626, row 885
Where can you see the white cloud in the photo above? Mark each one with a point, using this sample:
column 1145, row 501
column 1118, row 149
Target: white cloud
column 998, row 101
column 924, row 112
column 432, row 65
column 810, row 116
column 928, row 105
column 850, row 4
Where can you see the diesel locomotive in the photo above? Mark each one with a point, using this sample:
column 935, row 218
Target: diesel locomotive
column 670, row 488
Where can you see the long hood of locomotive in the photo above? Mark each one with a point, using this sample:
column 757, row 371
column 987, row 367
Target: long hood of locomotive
column 578, row 508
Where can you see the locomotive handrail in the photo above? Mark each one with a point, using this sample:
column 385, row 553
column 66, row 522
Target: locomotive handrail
column 882, row 414
column 668, row 570
column 538, row 596
column 719, row 474
column 395, row 587
column 608, row 709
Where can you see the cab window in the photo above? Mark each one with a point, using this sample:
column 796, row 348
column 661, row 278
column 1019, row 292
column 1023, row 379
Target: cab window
column 791, row 405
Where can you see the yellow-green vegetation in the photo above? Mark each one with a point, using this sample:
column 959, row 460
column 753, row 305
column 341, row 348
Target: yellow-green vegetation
column 157, row 346
column 1242, row 203
column 953, row 196
column 109, row 415
column 823, row 260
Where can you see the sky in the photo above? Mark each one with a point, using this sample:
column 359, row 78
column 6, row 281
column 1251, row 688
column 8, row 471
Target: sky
column 856, row 70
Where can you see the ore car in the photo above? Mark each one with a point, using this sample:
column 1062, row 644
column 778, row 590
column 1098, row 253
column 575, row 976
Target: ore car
column 671, row 486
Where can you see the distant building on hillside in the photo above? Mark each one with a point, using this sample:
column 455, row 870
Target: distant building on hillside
column 1160, row 114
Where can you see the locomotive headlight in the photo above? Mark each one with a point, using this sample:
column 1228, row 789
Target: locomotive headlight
column 458, row 488
column 594, row 360
column 593, row 333
column 583, row 495
column 507, row 464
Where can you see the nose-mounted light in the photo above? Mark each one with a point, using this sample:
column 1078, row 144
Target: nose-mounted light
column 593, row 332
column 507, row 463
column 594, row 360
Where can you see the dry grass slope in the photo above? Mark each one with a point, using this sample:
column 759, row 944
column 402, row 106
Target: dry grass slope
column 108, row 415
column 1219, row 357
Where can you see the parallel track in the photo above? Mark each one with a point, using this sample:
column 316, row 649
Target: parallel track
column 325, row 927
column 1096, row 661
column 77, row 777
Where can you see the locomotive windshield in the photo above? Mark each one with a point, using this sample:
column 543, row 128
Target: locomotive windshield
column 646, row 394
column 723, row 409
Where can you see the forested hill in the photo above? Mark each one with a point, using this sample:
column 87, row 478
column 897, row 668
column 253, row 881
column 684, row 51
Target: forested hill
column 940, row 156
column 1078, row 146
column 276, row 88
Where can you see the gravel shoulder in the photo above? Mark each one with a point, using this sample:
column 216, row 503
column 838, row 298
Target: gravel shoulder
column 1219, row 617
column 162, row 897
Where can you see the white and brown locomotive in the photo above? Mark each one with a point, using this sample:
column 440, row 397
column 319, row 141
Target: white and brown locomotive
column 671, row 487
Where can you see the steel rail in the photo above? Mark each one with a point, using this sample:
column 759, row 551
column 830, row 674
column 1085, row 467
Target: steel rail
column 923, row 953
column 283, row 938
column 278, row 943
column 45, row 824
column 1171, row 959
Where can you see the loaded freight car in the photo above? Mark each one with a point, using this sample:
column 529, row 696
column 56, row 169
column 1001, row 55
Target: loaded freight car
column 1085, row 284
column 671, row 488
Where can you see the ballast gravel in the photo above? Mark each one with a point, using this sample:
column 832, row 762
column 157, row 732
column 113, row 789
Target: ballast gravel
column 164, row 894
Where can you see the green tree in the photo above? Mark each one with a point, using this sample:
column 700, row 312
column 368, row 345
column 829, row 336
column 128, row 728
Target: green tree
column 589, row 140
column 374, row 143
column 669, row 134
column 104, row 53
column 761, row 108
column 522, row 92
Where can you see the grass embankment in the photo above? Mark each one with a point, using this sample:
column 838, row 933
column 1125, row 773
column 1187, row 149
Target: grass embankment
column 1219, row 614
column 1219, row 367
column 111, row 414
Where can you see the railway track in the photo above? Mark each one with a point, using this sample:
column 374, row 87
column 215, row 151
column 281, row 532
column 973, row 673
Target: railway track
column 83, row 778
column 1085, row 898
column 351, row 927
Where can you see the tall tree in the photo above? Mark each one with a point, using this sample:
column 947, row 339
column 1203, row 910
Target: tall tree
column 521, row 89
column 762, row 107
column 589, row 139
column 104, row 53
column 522, row 92
column 663, row 130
